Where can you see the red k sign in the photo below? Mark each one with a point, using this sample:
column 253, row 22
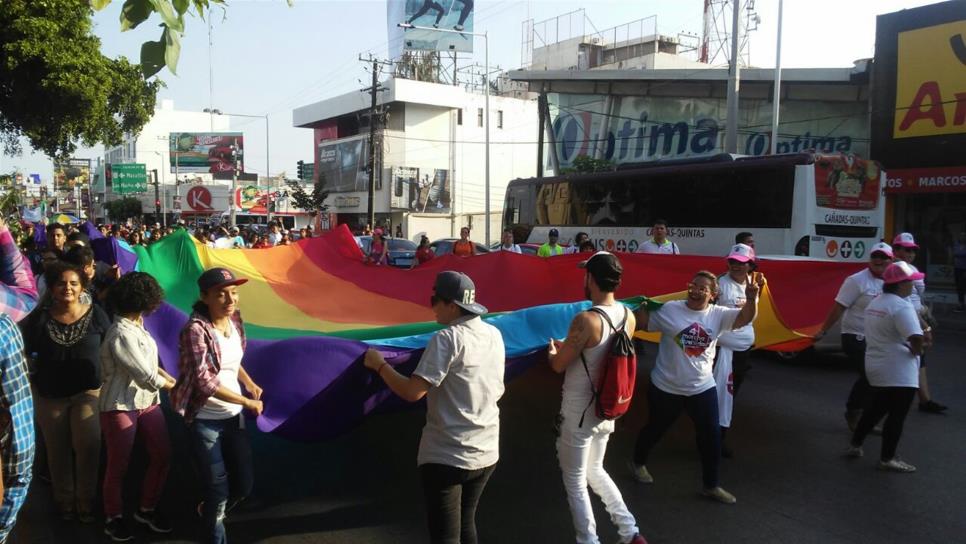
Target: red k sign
column 199, row 199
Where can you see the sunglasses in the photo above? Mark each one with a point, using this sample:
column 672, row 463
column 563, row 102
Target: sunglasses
column 698, row 288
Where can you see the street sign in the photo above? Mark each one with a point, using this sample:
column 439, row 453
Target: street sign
column 129, row 178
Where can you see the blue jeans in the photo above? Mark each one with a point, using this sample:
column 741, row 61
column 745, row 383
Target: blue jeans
column 224, row 457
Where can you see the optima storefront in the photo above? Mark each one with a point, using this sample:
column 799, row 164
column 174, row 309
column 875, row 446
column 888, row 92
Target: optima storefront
column 919, row 127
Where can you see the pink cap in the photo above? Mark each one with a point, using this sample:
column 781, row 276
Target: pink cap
column 905, row 239
column 899, row 272
column 882, row 247
column 742, row 253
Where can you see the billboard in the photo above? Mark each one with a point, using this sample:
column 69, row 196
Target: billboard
column 845, row 182
column 421, row 194
column 451, row 15
column 343, row 164
column 73, row 173
column 919, row 109
column 205, row 152
column 129, row 178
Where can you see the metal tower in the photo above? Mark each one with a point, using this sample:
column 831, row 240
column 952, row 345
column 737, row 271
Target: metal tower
column 718, row 27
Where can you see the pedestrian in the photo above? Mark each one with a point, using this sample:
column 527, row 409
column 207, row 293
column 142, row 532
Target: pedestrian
column 959, row 270
column 658, row 243
column 461, row 375
column 506, row 242
column 734, row 347
column 56, row 236
column 303, row 233
column 464, row 247
column 904, row 247
column 209, row 395
column 399, row 232
column 378, row 249
column 579, row 240
column 135, row 239
column 894, row 343
column 582, row 434
column 18, row 296
column 130, row 407
column 587, row 247
column 746, row 238
column 274, row 234
column 64, row 339
column 424, row 253
column 551, row 248
column 155, row 235
column 368, row 230
column 856, row 292
column 682, row 378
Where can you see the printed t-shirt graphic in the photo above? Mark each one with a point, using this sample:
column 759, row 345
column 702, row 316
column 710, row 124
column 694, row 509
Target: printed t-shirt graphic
column 694, row 340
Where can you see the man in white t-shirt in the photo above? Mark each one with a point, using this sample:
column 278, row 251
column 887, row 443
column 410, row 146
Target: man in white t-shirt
column 659, row 242
column 461, row 376
column 905, row 248
column 682, row 378
column 856, row 292
column 894, row 343
column 506, row 242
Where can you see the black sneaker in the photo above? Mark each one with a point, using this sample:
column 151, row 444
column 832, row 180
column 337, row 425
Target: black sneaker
column 932, row 407
column 118, row 531
column 154, row 520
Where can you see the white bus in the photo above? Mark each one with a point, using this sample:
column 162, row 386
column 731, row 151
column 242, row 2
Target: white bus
column 825, row 206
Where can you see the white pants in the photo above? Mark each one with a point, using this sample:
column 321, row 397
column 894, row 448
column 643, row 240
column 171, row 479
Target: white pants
column 581, row 453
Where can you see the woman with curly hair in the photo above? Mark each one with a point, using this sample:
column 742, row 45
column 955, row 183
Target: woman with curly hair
column 130, row 403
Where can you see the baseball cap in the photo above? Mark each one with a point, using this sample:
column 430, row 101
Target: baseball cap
column 882, row 247
column 216, row 278
column 741, row 253
column 554, row 232
column 899, row 272
column 905, row 239
column 603, row 265
column 459, row 288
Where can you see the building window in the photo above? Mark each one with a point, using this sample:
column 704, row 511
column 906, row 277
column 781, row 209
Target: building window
column 459, row 116
column 479, row 117
column 499, row 118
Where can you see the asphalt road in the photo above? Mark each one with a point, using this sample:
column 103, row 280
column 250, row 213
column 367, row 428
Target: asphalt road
column 792, row 483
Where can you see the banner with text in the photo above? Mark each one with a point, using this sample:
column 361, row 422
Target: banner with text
column 129, row 178
column 342, row 164
column 206, row 152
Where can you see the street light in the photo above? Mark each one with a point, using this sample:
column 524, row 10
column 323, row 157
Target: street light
column 486, row 81
column 216, row 111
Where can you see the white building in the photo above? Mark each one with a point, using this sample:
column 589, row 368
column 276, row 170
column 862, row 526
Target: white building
column 430, row 156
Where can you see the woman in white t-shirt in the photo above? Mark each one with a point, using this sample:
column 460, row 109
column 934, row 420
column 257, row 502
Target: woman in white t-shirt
column 856, row 293
column 682, row 378
column 894, row 343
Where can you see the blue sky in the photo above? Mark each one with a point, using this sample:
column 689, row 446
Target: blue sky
column 269, row 58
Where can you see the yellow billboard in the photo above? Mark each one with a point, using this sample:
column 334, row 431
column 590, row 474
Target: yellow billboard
column 931, row 81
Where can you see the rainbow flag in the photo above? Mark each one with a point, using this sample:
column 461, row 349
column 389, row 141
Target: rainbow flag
column 312, row 309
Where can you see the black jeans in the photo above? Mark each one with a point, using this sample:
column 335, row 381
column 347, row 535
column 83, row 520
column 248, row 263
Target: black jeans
column 959, row 275
column 885, row 401
column 854, row 348
column 703, row 411
column 451, row 498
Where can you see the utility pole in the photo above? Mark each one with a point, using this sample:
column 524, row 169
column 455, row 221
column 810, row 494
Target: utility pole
column 234, row 183
column 731, row 129
column 371, row 167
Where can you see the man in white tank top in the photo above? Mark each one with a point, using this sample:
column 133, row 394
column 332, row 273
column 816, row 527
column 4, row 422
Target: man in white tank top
column 582, row 440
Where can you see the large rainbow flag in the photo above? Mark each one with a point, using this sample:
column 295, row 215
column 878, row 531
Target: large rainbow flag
column 312, row 309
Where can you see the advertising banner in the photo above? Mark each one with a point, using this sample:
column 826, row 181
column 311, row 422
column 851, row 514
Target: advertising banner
column 434, row 195
column 845, row 182
column 73, row 173
column 443, row 14
column 205, row 152
column 927, row 180
column 650, row 128
column 129, row 178
column 253, row 199
column 405, row 187
column 343, row 164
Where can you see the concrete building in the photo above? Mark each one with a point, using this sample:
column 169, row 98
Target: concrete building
column 430, row 156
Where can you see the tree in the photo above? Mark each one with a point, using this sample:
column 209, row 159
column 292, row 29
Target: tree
column 313, row 203
column 583, row 164
column 123, row 209
column 56, row 88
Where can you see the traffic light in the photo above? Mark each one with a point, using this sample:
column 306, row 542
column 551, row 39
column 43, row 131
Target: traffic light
column 157, row 206
column 301, row 170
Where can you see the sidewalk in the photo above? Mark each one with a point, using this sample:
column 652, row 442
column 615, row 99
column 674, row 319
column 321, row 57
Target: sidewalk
column 943, row 302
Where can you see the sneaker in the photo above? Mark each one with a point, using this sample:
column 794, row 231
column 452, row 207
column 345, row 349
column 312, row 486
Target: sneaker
column 852, row 418
column 895, row 465
column 640, row 473
column 117, row 530
column 719, row 495
column 154, row 519
column 932, row 407
column 854, row 451
column 458, row 28
column 638, row 539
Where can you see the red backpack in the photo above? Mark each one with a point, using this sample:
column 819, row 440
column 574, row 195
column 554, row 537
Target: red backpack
column 615, row 386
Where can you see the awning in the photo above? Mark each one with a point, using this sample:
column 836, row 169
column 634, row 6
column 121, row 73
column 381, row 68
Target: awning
column 950, row 179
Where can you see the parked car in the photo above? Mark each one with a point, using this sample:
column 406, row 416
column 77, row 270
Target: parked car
column 444, row 246
column 401, row 251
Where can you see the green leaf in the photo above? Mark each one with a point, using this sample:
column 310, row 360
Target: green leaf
column 172, row 50
column 181, row 6
column 134, row 12
column 98, row 5
column 153, row 56
column 168, row 15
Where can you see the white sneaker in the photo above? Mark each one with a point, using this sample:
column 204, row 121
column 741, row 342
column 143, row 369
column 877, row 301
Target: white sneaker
column 720, row 495
column 896, row 465
column 854, row 451
column 640, row 473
